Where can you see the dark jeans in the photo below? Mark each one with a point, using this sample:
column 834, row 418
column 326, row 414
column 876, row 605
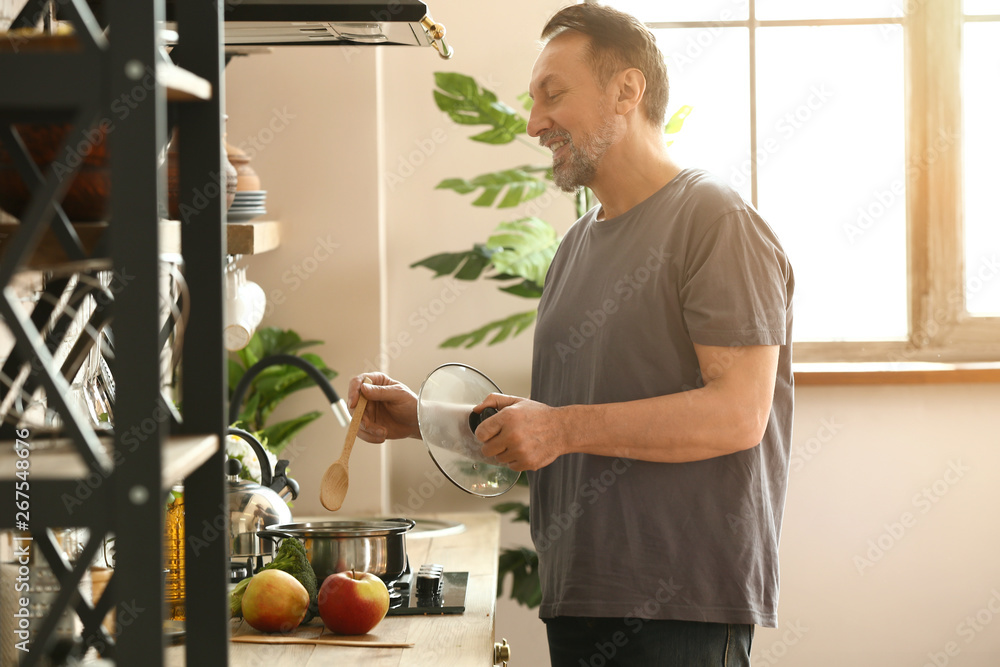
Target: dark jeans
column 636, row 642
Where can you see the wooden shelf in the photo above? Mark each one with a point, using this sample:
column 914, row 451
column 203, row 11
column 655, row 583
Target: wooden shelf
column 50, row 254
column 182, row 85
column 243, row 238
column 253, row 238
column 59, row 460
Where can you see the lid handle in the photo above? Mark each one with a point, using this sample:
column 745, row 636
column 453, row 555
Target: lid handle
column 477, row 418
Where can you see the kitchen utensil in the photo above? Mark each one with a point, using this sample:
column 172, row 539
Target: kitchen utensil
column 253, row 507
column 376, row 546
column 89, row 192
column 337, row 404
column 247, row 179
column 245, row 306
column 448, row 424
column 227, row 180
column 333, row 487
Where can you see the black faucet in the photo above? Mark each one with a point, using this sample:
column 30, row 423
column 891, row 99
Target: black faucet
column 337, row 404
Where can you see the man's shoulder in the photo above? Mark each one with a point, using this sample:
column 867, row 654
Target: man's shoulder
column 698, row 187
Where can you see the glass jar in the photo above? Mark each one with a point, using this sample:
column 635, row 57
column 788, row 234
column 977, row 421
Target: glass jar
column 173, row 555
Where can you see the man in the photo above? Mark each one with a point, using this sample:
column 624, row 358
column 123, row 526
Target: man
column 658, row 430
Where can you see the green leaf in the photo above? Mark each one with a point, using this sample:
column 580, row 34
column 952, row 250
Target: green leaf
column 505, row 328
column 297, row 382
column 252, row 353
column 293, row 347
column 521, row 184
column 518, row 509
column 522, row 566
column 248, row 415
column 525, row 100
column 278, row 435
column 275, row 383
column 467, row 103
column 527, row 289
column 524, row 248
column 676, row 121
column 459, row 185
column 473, row 267
column 235, row 374
column 446, row 263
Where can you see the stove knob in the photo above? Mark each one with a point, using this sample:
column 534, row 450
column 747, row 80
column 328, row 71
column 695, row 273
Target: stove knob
column 501, row 653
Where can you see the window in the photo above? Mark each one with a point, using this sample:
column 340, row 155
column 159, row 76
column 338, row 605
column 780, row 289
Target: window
column 864, row 132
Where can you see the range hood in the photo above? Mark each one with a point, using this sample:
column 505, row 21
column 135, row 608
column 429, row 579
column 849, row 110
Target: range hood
column 332, row 22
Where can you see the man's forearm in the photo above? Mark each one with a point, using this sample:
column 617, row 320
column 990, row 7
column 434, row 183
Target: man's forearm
column 688, row 426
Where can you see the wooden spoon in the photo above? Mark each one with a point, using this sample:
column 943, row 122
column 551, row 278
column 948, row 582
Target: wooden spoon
column 333, row 487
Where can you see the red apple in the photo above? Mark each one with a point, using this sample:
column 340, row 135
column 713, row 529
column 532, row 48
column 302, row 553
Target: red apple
column 274, row 601
column 352, row 603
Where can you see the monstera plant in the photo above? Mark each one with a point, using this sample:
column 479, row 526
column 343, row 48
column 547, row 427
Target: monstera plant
column 516, row 256
column 274, row 384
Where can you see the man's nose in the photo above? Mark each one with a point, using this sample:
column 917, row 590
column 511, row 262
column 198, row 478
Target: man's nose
column 537, row 121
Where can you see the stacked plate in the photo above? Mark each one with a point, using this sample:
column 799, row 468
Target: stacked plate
column 248, row 205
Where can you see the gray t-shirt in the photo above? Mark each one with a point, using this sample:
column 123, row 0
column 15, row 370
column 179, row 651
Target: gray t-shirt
column 623, row 302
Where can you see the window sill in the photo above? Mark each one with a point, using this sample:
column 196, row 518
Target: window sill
column 831, row 374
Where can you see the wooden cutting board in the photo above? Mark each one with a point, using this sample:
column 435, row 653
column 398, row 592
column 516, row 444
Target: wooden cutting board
column 311, row 635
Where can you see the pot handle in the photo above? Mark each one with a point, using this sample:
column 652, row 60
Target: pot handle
column 265, row 465
column 410, row 523
column 273, row 534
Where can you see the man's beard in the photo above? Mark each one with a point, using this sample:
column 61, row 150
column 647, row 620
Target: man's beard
column 580, row 167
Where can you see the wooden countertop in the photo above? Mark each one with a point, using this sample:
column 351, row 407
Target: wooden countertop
column 462, row 640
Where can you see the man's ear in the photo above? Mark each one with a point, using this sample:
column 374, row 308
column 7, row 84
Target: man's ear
column 631, row 87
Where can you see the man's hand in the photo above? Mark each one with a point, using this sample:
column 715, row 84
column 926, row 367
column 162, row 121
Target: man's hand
column 524, row 435
column 391, row 413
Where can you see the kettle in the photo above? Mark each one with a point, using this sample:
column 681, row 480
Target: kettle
column 253, row 506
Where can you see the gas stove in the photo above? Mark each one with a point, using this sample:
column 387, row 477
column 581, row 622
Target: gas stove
column 430, row 591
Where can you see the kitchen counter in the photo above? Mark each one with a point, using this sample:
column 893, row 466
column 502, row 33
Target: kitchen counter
column 462, row 640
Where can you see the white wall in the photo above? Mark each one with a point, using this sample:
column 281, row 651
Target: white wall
column 358, row 164
column 889, row 542
column 305, row 116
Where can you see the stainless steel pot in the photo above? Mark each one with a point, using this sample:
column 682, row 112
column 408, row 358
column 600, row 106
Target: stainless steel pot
column 376, row 546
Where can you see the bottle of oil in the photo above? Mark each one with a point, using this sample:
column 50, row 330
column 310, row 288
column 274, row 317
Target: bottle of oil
column 173, row 555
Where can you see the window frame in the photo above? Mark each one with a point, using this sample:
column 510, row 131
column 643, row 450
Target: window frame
column 940, row 329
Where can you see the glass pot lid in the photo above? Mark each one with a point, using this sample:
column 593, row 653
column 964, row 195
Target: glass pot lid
column 444, row 406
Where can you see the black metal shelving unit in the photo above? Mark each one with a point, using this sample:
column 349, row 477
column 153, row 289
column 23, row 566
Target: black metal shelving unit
column 123, row 78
